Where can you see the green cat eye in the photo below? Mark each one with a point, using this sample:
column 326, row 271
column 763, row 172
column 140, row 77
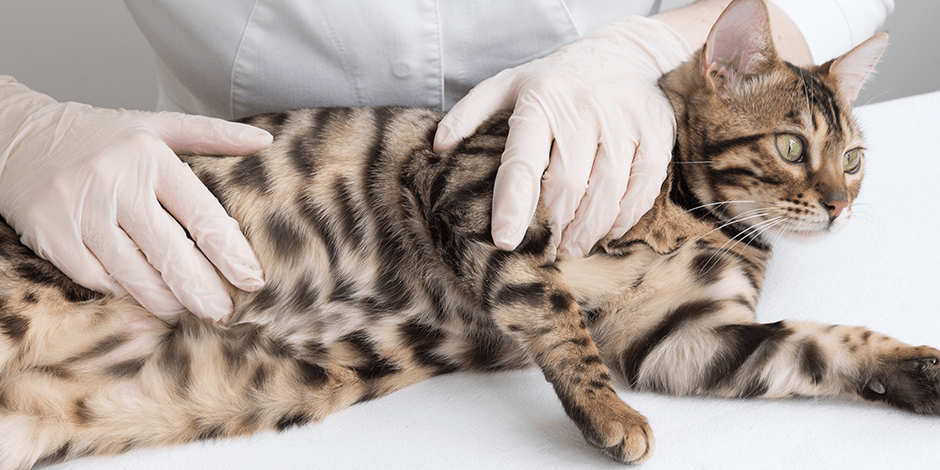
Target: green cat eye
column 852, row 160
column 790, row 147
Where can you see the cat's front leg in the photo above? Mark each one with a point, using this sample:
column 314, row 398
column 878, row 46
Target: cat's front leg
column 531, row 303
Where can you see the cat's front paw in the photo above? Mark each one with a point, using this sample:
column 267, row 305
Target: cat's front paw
column 908, row 378
column 620, row 431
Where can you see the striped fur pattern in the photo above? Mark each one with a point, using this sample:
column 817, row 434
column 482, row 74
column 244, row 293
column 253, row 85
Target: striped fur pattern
column 381, row 272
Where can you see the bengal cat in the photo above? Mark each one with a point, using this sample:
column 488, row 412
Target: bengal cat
column 381, row 272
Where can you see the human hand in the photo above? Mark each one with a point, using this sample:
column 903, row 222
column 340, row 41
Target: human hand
column 101, row 194
column 592, row 119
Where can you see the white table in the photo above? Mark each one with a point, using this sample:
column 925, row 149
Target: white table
column 881, row 271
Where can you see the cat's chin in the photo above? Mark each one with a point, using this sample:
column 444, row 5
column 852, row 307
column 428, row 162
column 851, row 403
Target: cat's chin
column 806, row 236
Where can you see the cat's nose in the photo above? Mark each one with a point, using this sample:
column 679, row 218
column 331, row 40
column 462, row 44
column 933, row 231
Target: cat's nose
column 835, row 207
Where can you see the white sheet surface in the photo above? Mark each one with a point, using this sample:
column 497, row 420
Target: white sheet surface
column 881, row 271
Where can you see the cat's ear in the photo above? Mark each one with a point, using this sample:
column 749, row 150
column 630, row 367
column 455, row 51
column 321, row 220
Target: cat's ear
column 853, row 68
column 739, row 44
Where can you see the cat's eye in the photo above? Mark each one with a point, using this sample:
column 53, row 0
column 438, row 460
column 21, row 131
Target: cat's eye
column 790, row 147
column 852, row 160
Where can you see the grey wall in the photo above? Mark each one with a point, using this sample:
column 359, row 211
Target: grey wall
column 91, row 51
column 911, row 64
column 78, row 50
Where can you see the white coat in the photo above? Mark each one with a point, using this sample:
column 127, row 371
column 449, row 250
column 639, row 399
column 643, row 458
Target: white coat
column 234, row 58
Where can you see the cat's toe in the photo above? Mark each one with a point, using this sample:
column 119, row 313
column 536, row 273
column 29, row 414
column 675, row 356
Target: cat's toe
column 620, row 431
column 635, row 442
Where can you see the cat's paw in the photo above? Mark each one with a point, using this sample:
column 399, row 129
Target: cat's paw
column 908, row 378
column 620, row 431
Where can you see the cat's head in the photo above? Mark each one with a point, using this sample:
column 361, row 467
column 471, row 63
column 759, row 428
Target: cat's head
column 763, row 143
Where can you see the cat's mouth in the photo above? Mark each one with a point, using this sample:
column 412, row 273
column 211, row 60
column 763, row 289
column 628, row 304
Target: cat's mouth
column 800, row 230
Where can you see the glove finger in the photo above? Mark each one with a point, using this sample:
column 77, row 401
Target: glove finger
column 123, row 260
column 491, row 95
column 566, row 179
column 184, row 270
column 516, row 191
column 191, row 134
column 215, row 232
column 601, row 203
column 78, row 263
column 646, row 178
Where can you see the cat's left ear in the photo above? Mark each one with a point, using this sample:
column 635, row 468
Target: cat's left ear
column 739, row 44
column 853, row 68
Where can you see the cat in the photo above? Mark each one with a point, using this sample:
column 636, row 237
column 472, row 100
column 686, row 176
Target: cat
column 381, row 272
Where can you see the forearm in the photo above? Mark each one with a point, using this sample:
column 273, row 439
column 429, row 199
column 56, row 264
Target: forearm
column 694, row 22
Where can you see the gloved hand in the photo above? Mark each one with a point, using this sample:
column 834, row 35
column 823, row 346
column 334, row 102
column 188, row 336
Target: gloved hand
column 613, row 132
column 101, row 195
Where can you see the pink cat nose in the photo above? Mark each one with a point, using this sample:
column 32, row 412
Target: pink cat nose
column 835, row 207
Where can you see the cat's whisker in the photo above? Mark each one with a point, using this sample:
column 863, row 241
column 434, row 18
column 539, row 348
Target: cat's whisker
column 744, row 234
column 720, row 203
column 747, row 215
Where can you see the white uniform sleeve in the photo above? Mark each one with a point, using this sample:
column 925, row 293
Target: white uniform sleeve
column 832, row 27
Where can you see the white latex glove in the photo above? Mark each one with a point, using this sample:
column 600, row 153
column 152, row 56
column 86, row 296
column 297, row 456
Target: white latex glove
column 101, row 194
column 612, row 127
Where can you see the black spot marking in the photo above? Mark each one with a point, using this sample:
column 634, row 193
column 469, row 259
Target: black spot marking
column 59, row 372
column 259, row 378
column 264, row 299
column 108, row 344
column 126, row 369
column 288, row 241
column 812, row 362
column 582, row 342
column 343, row 290
column 350, row 214
column 250, row 173
column 14, row 326
column 292, row 420
column 637, row 353
column 531, row 294
column 591, row 315
column 83, row 414
column 31, row 298
column 755, row 388
column 304, row 295
column 48, row 276
column 561, row 301
column 536, row 241
column 58, row 456
column 375, row 366
column 211, row 432
column 739, row 343
column 393, row 289
column 708, row 267
column 301, row 157
column 175, row 360
column 494, row 266
column 423, row 339
column 312, row 375
column 487, row 351
column 36, row 274
column 317, row 218
column 592, row 360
